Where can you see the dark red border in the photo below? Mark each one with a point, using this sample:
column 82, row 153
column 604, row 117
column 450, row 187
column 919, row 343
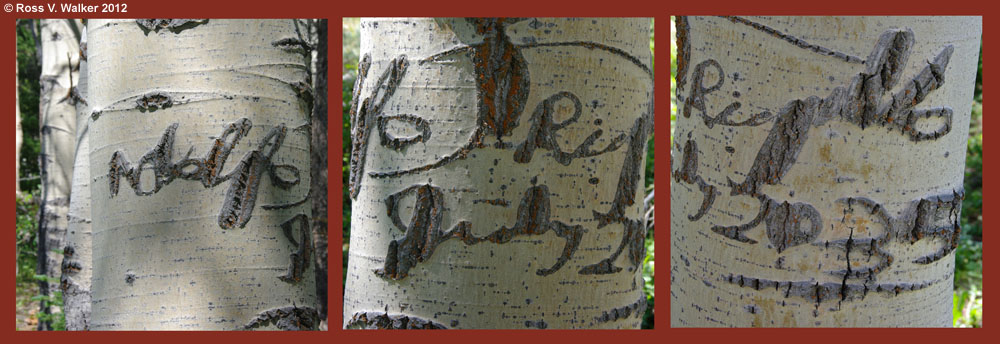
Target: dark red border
column 334, row 10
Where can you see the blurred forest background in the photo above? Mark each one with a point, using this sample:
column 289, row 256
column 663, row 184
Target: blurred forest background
column 968, row 293
column 350, row 71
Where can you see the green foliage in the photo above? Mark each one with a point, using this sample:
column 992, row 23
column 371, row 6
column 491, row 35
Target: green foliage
column 647, row 285
column 56, row 319
column 968, row 308
column 27, row 240
column 28, row 72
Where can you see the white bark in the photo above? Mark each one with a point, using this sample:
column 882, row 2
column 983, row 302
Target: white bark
column 202, row 221
column 76, row 264
column 60, row 54
column 818, row 166
column 497, row 168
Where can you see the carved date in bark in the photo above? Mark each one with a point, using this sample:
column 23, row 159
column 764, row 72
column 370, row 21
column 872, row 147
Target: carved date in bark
column 424, row 233
column 246, row 176
column 860, row 103
column 934, row 217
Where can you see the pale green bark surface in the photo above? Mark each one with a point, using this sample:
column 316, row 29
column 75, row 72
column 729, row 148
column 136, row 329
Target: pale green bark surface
column 830, row 194
column 207, row 248
column 457, row 222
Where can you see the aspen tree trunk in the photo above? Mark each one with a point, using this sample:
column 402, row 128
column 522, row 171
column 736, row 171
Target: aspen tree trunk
column 199, row 161
column 817, row 169
column 76, row 264
column 496, row 173
column 319, row 163
column 60, row 55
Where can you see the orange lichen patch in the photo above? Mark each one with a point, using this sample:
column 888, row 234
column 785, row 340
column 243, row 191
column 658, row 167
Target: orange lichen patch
column 824, row 152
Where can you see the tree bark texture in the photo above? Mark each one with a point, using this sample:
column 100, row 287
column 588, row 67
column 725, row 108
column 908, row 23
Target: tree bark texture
column 200, row 175
column 60, row 56
column 817, row 169
column 319, row 163
column 496, row 171
column 76, row 264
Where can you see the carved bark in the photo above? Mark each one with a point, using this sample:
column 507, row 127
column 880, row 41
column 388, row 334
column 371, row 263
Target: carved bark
column 817, row 169
column 199, row 162
column 76, row 263
column 496, row 172
column 60, row 56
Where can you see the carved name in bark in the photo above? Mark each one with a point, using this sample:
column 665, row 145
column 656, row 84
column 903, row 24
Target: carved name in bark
column 502, row 87
column 861, row 103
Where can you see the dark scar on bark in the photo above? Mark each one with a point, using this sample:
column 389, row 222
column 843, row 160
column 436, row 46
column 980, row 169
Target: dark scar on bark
column 70, row 267
column 364, row 116
column 539, row 324
column 635, row 309
column 795, row 41
column 303, row 253
column 387, row 139
column 242, row 193
column 424, row 233
column 683, row 50
column 696, row 100
column 304, row 92
column 288, row 318
column 383, row 321
column 543, row 129
column 817, row 293
column 689, row 174
column 497, row 202
column 293, row 45
column 153, row 101
column 172, row 25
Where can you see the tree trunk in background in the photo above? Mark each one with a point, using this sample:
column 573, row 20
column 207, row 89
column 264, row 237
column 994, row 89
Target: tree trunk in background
column 319, row 164
column 818, row 166
column 201, row 222
column 60, row 55
column 76, row 264
column 496, row 168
